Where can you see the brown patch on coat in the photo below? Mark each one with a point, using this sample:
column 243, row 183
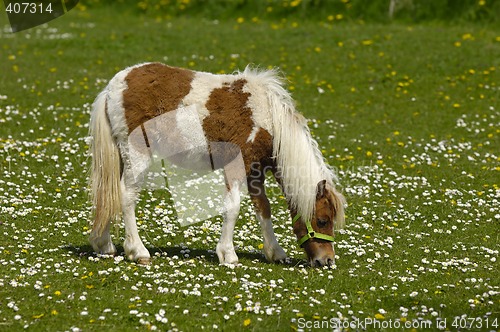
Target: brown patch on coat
column 154, row 89
column 230, row 120
column 262, row 206
column 255, row 184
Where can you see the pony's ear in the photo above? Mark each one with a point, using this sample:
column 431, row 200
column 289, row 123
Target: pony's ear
column 320, row 189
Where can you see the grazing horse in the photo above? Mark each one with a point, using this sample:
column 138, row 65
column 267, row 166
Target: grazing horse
column 248, row 110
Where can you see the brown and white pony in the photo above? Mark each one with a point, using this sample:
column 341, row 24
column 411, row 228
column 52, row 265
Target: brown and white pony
column 249, row 109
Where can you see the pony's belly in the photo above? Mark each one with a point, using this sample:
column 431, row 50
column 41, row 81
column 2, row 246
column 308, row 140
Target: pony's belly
column 176, row 136
column 196, row 159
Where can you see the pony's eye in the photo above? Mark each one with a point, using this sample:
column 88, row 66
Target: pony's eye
column 322, row 222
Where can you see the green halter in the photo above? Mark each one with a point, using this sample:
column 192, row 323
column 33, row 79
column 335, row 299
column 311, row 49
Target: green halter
column 311, row 234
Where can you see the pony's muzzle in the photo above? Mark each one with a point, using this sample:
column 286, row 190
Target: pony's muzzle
column 326, row 260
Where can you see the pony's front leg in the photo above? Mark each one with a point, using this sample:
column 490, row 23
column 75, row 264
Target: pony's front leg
column 272, row 250
column 133, row 246
column 225, row 248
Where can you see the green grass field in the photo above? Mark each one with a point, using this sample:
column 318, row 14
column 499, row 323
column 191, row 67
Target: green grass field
column 407, row 115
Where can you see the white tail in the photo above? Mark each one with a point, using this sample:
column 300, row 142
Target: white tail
column 105, row 171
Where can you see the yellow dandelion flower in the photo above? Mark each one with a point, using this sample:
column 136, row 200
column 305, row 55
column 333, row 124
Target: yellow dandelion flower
column 467, row 36
column 247, row 322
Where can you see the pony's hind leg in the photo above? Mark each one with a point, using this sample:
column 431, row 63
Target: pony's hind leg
column 225, row 248
column 133, row 246
column 102, row 243
column 272, row 250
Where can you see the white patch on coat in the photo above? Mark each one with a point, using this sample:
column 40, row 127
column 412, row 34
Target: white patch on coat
column 176, row 136
column 257, row 100
column 190, row 127
column 253, row 134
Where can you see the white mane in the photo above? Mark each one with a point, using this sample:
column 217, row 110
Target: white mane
column 298, row 158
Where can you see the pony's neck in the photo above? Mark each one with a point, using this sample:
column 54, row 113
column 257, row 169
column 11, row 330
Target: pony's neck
column 298, row 160
column 299, row 163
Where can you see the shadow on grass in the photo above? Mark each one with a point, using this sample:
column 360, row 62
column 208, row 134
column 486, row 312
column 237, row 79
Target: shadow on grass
column 208, row 256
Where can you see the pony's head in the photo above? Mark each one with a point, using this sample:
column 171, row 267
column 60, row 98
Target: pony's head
column 316, row 235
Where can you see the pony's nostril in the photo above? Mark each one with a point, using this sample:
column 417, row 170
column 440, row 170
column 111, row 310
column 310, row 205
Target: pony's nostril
column 320, row 262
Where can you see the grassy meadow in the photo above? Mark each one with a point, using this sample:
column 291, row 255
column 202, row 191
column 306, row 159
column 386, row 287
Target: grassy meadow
column 408, row 115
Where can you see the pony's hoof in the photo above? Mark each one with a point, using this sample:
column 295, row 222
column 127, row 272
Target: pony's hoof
column 107, row 255
column 275, row 254
column 284, row 261
column 144, row 261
